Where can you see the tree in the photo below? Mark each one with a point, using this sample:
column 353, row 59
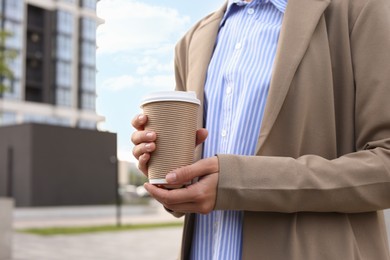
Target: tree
column 6, row 55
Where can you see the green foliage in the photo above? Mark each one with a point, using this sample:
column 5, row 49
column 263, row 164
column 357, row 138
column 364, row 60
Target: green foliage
column 93, row 229
column 6, row 55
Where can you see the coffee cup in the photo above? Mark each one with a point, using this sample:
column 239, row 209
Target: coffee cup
column 173, row 116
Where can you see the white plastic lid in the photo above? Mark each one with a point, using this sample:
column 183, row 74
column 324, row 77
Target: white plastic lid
column 189, row 96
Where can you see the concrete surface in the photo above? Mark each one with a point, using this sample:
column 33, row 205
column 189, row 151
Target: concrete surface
column 148, row 244
column 6, row 207
column 89, row 215
column 152, row 244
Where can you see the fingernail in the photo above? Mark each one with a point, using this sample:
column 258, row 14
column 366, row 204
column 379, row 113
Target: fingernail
column 171, row 177
column 148, row 147
column 149, row 134
column 141, row 117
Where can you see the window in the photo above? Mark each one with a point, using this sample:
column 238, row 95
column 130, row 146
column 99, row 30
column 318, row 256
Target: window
column 88, row 101
column 64, row 22
column 7, row 118
column 64, row 47
column 69, row 1
column 15, row 65
column 31, row 118
column 13, row 88
column 15, row 40
column 34, row 118
column 90, row 4
column 85, row 124
column 88, row 53
column 64, row 74
column 63, row 97
column 14, row 10
column 88, row 77
column 88, row 29
column 87, row 70
column 58, row 121
column 64, row 54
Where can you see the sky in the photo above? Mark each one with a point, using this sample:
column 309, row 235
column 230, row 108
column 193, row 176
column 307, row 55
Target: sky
column 135, row 56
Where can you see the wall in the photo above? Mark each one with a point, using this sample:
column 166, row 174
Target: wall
column 53, row 165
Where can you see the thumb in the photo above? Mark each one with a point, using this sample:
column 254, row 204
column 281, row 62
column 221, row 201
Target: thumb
column 201, row 135
column 188, row 173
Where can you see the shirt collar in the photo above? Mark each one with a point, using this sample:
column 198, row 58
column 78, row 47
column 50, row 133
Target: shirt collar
column 279, row 4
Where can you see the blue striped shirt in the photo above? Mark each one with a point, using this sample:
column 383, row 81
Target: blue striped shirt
column 236, row 90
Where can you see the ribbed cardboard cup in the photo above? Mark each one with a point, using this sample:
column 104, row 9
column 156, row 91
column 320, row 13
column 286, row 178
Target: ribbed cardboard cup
column 173, row 115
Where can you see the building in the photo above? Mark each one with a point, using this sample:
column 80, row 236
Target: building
column 47, row 165
column 50, row 150
column 129, row 174
column 54, row 70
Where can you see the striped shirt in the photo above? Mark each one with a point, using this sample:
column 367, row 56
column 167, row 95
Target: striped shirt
column 236, row 90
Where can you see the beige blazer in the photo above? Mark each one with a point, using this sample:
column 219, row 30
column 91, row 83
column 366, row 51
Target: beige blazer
column 321, row 175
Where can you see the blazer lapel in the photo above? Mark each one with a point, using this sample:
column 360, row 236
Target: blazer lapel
column 200, row 51
column 299, row 22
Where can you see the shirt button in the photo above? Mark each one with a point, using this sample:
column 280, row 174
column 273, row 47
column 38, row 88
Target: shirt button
column 251, row 11
column 215, row 226
column 238, row 46
column 228, row 90
column 224, row 133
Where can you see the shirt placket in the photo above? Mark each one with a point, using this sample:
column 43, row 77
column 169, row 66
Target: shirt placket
column 230, row 94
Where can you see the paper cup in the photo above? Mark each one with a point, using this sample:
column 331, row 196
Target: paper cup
column 173, row 115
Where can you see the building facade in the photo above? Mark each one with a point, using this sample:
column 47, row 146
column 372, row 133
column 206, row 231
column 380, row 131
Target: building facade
column 50, row 150
column 54, row 69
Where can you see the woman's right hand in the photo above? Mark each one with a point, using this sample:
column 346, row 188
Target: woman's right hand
column 144, row 142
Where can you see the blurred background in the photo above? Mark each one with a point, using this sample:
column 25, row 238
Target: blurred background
column 72, row 74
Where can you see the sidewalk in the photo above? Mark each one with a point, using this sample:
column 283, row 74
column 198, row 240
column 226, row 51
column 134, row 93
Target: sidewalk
column 148, row 244
column 152, row 244
column 90, row 215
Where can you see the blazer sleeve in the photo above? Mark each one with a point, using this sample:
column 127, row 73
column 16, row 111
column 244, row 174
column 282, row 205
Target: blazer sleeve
column 355, row 182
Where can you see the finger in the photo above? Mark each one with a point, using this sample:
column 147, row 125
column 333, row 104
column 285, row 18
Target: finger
column 171, row 197
column 198, row 169
column 143, row 162
column 184, row 208
column 142, row 148
column 189, row 199
column 201, row 135
column 139, row 121
column 143, row 137
column 190, row 208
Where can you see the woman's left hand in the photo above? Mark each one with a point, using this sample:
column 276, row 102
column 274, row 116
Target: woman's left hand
column 199, row 197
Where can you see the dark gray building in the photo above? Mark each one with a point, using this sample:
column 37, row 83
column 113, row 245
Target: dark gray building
column 45, row 165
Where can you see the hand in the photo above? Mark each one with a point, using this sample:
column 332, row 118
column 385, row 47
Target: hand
column 144, row 141
column 199, row 197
